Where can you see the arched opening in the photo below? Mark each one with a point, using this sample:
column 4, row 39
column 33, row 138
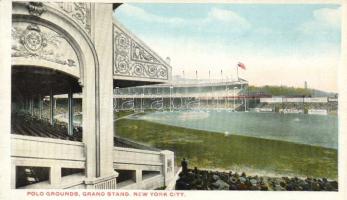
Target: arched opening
column 38, row 112
column 34, row 105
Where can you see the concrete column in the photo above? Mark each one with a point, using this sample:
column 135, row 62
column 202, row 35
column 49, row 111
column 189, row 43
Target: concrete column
column 13, row 175
column 40, row 106
column 168, row 168
column 26, row 108
column 28, row 100
column 138, row 176
column 104, row 140
column 31, row 106
column 55, row 175
column 34, row 105
column 70, row 112
column 88, row 124
column 28, row 105
column 51, row 108
column 25, row 104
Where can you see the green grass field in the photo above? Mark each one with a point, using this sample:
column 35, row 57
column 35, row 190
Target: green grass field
column 216, row 151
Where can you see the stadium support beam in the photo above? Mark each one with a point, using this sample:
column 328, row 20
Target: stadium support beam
column 55, row 175
column 26, row 108
column 40, row 106
column 32, row 106
column 51, row 108
column 104, row 137
column 70, row 112
column 13, row 175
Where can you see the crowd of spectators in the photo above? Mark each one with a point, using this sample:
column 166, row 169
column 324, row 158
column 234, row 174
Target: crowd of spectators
column 195, row 179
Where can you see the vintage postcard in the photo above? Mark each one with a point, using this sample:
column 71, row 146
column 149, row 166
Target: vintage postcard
column 173, row 100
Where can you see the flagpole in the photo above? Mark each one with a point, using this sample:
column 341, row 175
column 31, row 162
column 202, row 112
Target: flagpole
column 237, row 72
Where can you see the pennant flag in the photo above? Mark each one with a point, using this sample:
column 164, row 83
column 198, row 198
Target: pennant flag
column 241, row 65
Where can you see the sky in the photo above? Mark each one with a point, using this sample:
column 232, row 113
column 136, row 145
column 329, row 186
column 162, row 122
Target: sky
column 279, row 44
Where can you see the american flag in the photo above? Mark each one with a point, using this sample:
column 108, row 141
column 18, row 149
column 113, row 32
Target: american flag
column 241, row 65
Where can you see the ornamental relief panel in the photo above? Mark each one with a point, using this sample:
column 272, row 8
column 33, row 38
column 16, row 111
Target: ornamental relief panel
column 79, row 12
column 30, row 40
column 133, row 60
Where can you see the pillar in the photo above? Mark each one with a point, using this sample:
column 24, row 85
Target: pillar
column 25, row 104
column 138, row 176
column 13, row 175
column 104, row 141
column 31, row 106
column 51, row 108
column 168, row 167
column 97, row 100
column 55, row 175
column 40, row 106
column 28, row 105
column 70, row 112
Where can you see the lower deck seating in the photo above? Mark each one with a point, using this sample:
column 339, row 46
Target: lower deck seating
column 25, row 124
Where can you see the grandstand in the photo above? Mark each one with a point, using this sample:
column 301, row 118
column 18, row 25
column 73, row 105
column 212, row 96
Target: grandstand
column 183, row 96
column 177, row 96
column 52, row 55
column 232, row 95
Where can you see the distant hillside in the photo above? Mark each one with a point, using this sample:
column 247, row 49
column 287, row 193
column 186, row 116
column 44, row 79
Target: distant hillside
column 289, row 91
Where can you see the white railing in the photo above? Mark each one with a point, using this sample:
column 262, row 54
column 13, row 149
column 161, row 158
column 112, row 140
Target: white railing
column 104, row 183
column 136, row 156
column 32, row 148
column 147, row 184
column 46, row 152
column 110, row 184
column 138, row 160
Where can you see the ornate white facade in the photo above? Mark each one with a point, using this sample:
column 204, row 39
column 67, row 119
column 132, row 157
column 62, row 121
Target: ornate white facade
column 62, row 48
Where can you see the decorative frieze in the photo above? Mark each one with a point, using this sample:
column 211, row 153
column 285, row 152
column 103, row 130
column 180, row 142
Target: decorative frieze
column 79, row 12
column 30, row 40
column 134, row 60
column 140, row 54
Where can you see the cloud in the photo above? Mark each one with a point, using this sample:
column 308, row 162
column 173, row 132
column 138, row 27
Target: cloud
column 324, row 20
column 263, row 68
column 227, row 16
column 140, row 14
column 328, row 16
column 307, row 59
column 213, row 18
